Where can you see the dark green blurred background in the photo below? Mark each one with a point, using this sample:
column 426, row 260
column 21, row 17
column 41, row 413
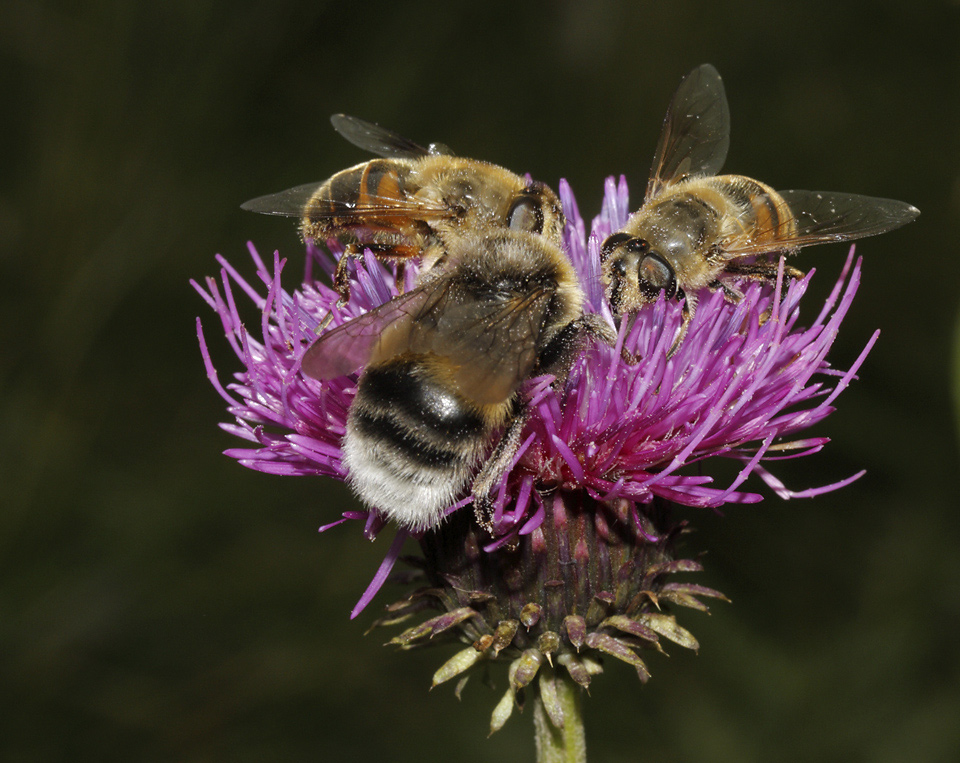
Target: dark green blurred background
column 160, row 602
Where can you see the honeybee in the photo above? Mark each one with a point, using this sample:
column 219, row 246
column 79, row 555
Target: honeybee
column 697, row 229
column 411, row 202
column 443, row 366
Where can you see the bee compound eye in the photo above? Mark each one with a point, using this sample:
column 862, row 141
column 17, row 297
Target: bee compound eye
column 655, row 273
column 525, row 214
column 611, row 243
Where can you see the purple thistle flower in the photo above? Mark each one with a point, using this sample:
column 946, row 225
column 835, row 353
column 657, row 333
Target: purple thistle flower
column 576, row 562
column 736, row 388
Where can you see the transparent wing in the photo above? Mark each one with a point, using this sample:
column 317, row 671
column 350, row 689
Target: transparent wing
column 342, row 350
column 289, row 203
column 696, row 131
column 822, row 217
column 294, row 203
column 380, row 141
column 489, row 340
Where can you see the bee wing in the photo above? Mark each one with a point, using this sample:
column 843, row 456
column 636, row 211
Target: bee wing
column 696, row 131
column 289, row 203
column 342, row 350
column 491, row 343
column 294, row 201
column 380, row 141
column 824, row 216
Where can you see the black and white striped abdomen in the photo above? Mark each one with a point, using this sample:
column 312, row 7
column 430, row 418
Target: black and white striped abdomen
column 413, row 441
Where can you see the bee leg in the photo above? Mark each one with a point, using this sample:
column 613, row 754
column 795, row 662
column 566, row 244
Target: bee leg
column 354, row 251
column 560, row 353
column 324, row 322
column 761, row 271
column 398, row 253
column 609, row 336
column 341, row 283
column 689, row 310
column 625, row 355
column 341, row 276
column 733, row 296
column 597, row 328
column 563, row 350
column 496, row 466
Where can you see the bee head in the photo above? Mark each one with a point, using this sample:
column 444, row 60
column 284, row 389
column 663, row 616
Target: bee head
column 634, row 273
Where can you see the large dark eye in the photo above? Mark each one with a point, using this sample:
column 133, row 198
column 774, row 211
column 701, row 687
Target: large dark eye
column 525, row 214
column 611, row 243
column 655, row 274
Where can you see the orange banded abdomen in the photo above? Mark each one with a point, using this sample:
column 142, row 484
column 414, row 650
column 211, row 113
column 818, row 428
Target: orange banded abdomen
column 760, row 214
column 368, row 197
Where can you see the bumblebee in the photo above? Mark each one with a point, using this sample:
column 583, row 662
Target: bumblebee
column 443, row 367
column 411, row 202
column 700, row 230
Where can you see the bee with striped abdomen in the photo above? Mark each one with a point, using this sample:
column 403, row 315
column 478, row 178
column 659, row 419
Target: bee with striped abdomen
column 700, row 230
column 442, row 369
column 411, row 202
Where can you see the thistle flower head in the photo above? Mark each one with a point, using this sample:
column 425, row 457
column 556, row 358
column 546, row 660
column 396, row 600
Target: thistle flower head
column 581, row 546
column 747, row 376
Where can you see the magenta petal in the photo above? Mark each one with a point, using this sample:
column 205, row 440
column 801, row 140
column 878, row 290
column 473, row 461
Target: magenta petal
column 386, row 566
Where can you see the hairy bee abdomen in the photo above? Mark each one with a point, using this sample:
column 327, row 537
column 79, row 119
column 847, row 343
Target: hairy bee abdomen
column 373, row 185
column 758, row 210
column 413, row 441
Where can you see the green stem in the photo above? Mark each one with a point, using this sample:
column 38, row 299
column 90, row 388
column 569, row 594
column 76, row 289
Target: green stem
column 560, row 745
